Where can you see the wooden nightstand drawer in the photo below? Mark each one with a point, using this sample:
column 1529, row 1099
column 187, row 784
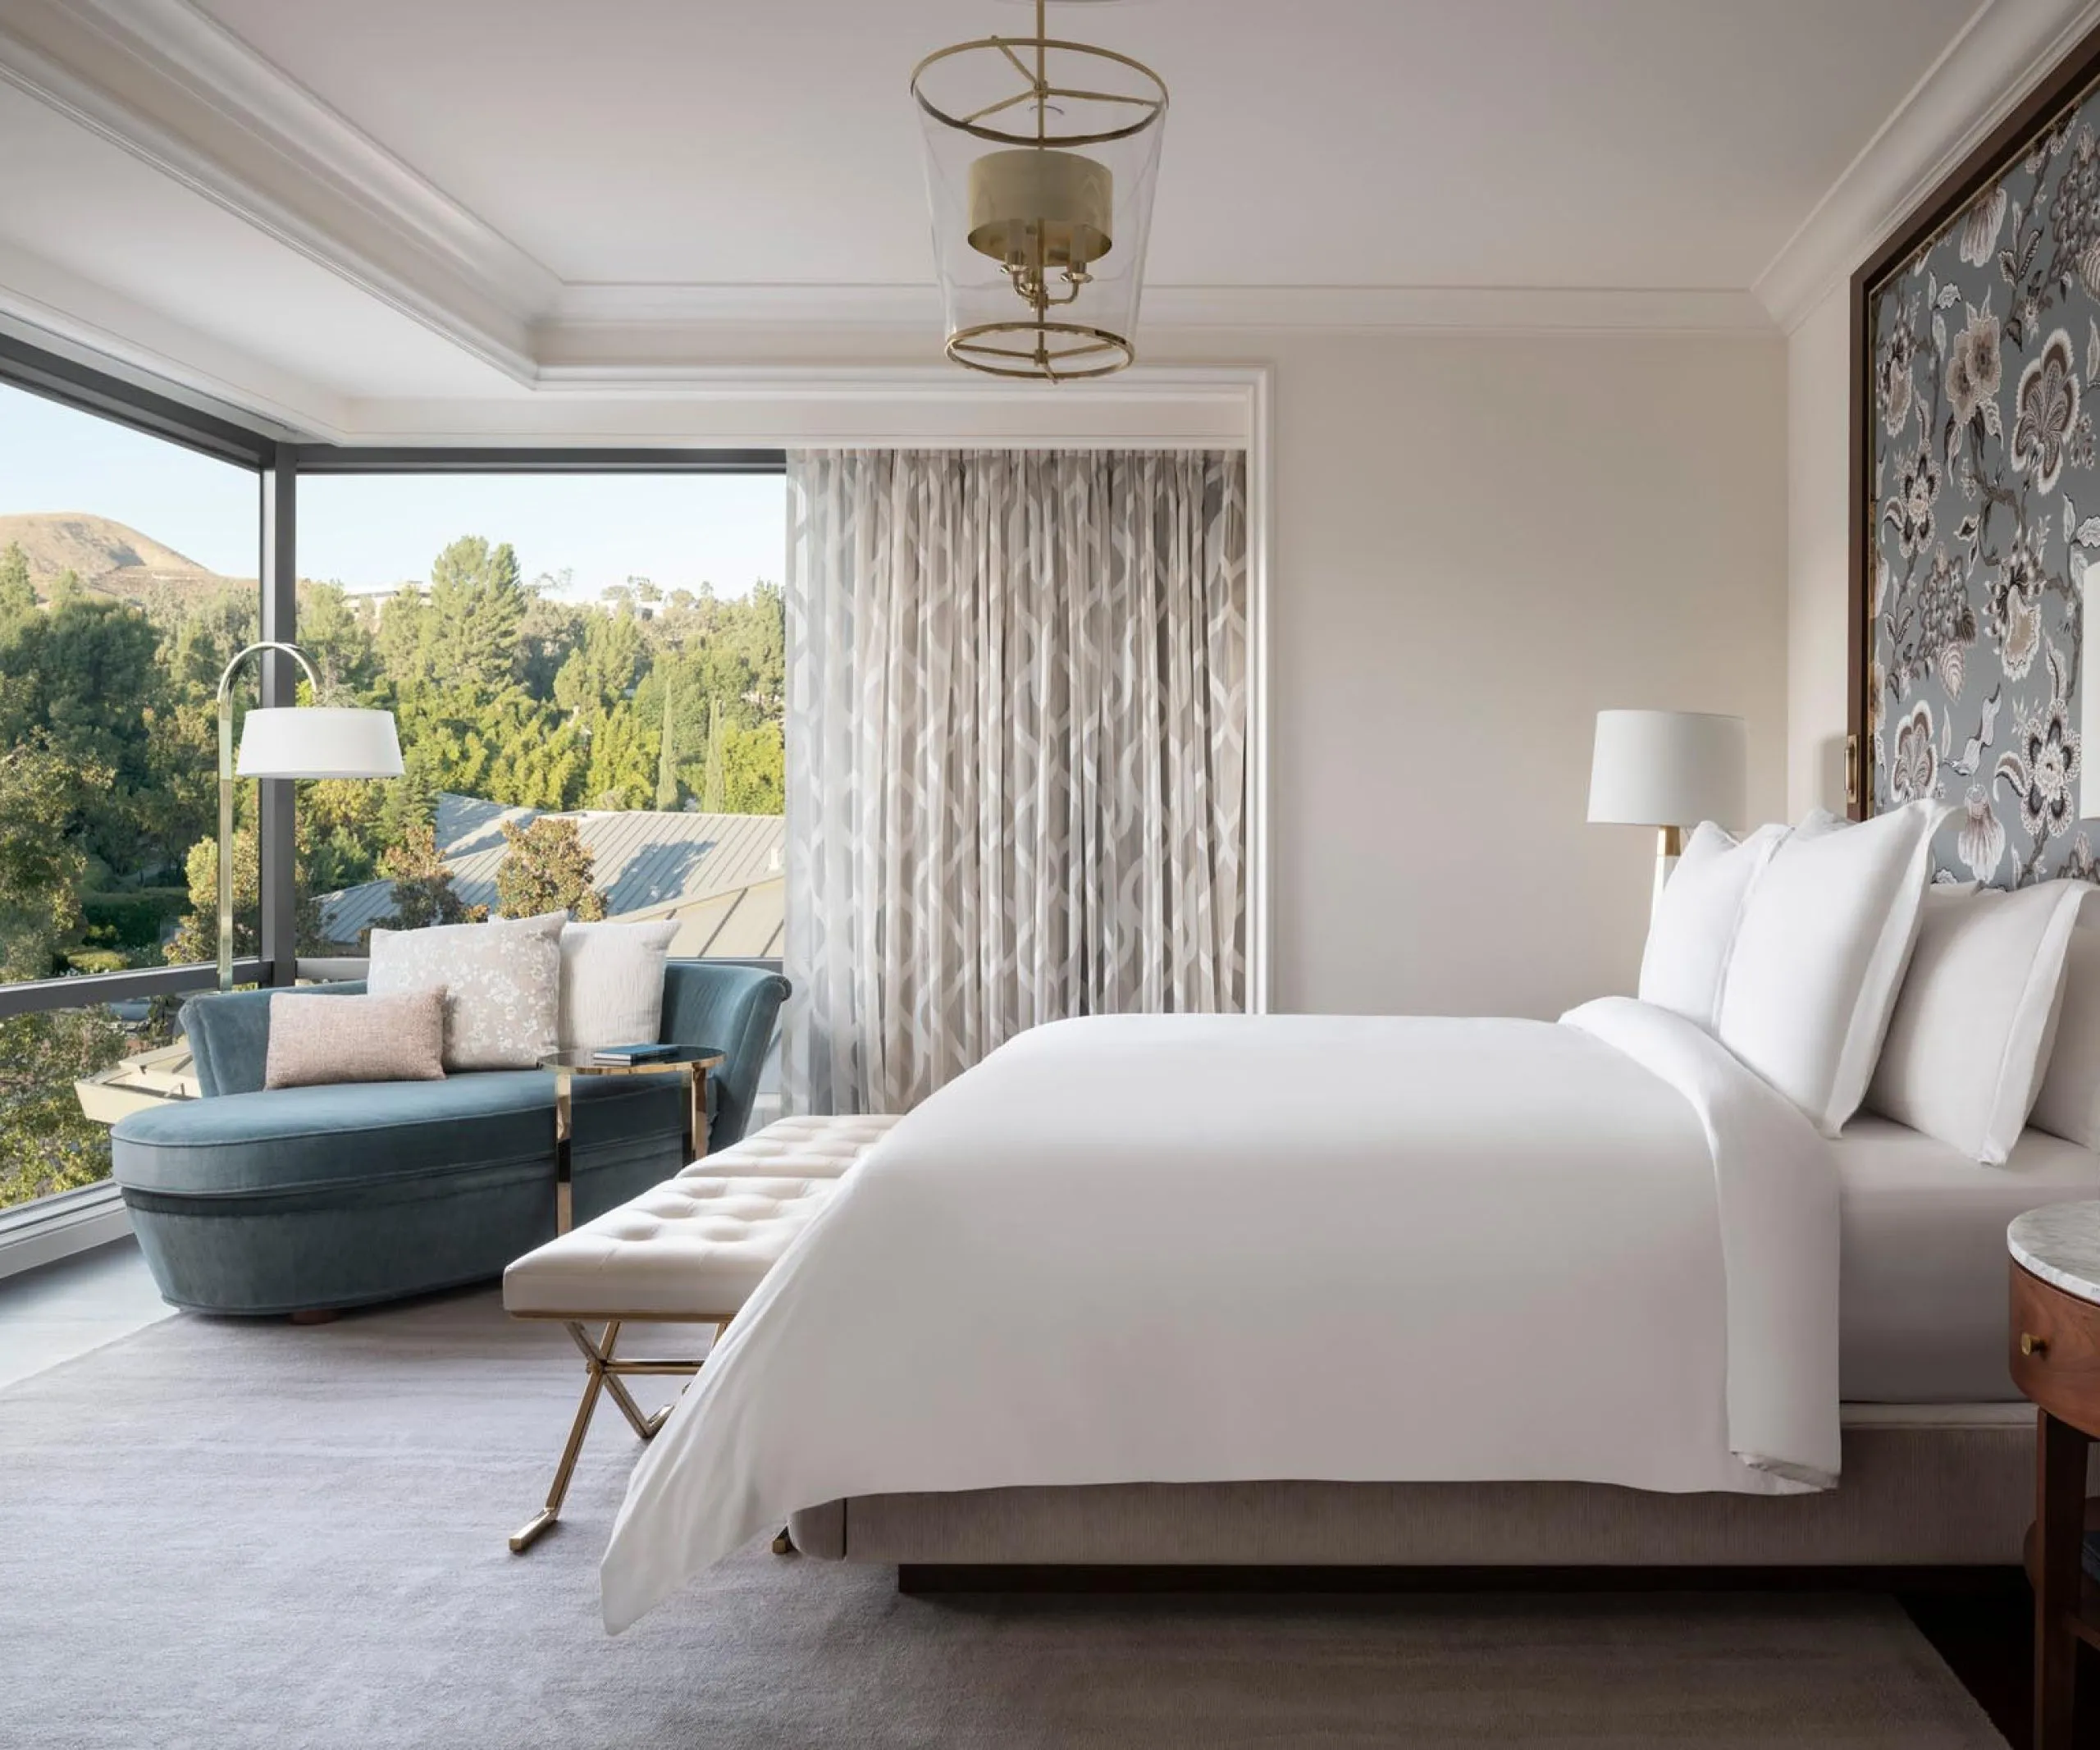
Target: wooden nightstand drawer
column 2054, row 1350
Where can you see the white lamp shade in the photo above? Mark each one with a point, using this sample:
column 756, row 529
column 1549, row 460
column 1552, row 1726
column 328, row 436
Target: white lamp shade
column 318, row 741
column 1669, row 768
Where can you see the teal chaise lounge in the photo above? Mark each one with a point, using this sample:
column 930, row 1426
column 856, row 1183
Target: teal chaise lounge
column 302, row 1199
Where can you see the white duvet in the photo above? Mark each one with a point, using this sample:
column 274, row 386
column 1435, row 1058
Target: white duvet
column 1184, row 1249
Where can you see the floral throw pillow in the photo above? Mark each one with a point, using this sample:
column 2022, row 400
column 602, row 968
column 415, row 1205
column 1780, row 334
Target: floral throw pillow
column 502, row 984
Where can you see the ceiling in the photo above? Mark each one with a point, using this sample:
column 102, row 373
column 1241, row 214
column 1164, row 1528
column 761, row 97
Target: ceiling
column 1384, row 142
column 404, row 198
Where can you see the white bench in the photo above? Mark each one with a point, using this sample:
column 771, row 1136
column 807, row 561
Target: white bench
column 691, row 1251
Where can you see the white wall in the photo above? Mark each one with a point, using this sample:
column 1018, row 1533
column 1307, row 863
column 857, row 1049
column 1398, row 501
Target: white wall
column 1818, row 579
column 1478, row 544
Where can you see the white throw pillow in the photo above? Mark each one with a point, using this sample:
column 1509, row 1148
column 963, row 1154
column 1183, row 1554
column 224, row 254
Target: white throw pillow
column 1825, row 934
column 2069, row 1103
column 612, row 984
column 1694, row 928
column 502, row 984
column 1968, row 1043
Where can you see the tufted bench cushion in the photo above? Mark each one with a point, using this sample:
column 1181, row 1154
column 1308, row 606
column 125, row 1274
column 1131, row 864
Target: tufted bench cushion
column 819, row 1147
column 694, row 1248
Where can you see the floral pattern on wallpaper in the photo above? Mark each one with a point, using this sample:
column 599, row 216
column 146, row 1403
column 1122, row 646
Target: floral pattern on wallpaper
column 1986, row 358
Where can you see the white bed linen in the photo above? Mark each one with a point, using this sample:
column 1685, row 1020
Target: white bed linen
column 1923, row 1317
column 1182, row 1248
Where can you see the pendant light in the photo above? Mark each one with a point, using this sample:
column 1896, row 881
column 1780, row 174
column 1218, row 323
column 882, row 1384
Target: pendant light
column 1041, row 158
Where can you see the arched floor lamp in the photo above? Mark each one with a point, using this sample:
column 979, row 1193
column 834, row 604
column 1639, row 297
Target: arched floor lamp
column 290, row 740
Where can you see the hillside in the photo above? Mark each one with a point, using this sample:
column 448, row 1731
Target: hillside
column 110, row 559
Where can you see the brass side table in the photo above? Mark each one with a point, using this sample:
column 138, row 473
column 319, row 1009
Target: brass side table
column 692, row 1062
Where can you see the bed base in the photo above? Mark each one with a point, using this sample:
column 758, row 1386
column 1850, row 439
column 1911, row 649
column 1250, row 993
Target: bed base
column 1943, row 1487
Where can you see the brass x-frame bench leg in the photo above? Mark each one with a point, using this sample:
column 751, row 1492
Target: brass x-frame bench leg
column 602, row 1372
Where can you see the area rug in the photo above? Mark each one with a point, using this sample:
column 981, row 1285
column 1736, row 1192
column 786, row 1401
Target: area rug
column 219, row 1534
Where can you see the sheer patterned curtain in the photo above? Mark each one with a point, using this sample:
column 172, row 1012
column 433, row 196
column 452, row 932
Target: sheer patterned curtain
column 1016, row 753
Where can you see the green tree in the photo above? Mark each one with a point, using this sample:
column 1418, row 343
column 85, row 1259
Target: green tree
column 47, row 1145
column 546, row 868
column 17, row 592
column 477, row 610
column 667, row 759
column 197, row 937
column 423, row 893
column 754, row 765
column 42, row 866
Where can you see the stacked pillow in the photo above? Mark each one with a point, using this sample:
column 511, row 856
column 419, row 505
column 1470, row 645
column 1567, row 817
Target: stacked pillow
column 1790, row 947
column 1973, row 1026
column 503, row 995
column 1822, row 960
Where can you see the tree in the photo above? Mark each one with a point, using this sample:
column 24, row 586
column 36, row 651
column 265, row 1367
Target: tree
column 667, row 759
column 197, row 937
column 423, row 893
column 754, row 763
column 476, row 609
column 715, row 785
column 546, row 869
column 42, row 866
column 17, row 593
column 46, row 1144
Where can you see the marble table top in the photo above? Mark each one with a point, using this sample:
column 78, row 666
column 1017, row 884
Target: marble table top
column 2060, row 1243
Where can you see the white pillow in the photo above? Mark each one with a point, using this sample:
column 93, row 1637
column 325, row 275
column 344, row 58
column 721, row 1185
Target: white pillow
column 2069, row 1103
column 1825, row 934
column 1694, row 927
column 1974, row 1022
column 612, row 984
column 502, row 984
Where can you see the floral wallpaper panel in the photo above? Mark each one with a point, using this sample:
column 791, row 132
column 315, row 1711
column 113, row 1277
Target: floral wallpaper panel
column 1986, row 353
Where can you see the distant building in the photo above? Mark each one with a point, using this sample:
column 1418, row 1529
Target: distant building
column 720, row 875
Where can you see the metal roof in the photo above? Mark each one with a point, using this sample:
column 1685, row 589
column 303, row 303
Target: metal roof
column 700, row 866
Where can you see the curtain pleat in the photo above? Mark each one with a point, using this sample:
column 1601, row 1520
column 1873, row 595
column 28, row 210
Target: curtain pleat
column 1016, row 753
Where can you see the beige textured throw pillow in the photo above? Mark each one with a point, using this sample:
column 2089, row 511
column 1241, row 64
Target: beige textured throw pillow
column 612, row 983
column 502, row 984
column 316, row 1038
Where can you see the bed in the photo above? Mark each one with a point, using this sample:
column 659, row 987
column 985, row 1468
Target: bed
column 1612, row 1290
column 1938, row 1445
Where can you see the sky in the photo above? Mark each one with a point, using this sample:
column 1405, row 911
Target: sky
column 373, row 531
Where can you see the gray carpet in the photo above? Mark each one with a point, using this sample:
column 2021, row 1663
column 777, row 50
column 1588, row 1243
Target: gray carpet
column 230, row 1534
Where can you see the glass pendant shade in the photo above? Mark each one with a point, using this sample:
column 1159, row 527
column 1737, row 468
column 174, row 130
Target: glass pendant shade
column 1041, row 156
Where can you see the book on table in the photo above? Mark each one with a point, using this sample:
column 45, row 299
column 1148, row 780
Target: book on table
column 630, row 1055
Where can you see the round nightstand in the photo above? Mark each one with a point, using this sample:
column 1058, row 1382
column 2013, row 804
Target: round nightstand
column 2055, row 1358
column 691, row 1062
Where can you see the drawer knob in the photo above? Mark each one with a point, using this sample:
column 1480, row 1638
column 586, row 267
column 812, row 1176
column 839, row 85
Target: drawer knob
column 2032, row 1345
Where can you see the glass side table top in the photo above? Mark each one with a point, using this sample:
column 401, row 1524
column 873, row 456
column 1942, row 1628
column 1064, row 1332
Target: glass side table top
column 675, row 1056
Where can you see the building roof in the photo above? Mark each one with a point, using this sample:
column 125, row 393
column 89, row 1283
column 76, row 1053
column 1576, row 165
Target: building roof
column 720, row 875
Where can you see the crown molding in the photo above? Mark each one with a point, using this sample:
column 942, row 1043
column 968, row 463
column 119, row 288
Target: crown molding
column 1181, row 406
column 1980, row 78
column 601, row 320
column 45, row 304
column 173, row 88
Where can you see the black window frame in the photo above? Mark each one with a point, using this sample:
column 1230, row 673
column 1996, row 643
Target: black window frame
column 278, row 466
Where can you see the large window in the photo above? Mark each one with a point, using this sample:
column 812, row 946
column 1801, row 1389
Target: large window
column 128, row 576
column 588, row 673
column 585, row 654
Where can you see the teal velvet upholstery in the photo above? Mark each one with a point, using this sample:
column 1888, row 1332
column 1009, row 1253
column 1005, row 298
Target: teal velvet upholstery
column 255, row 1201
column 735, row 1009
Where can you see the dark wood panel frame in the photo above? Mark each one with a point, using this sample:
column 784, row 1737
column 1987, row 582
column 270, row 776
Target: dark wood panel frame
column 2067, row 86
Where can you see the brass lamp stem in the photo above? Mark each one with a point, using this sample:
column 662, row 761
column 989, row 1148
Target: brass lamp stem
column 1669, row 847
column 226, row 793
